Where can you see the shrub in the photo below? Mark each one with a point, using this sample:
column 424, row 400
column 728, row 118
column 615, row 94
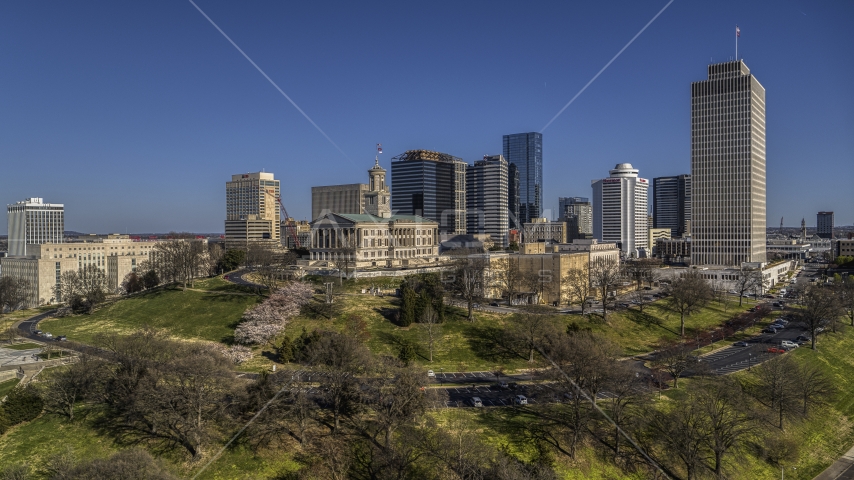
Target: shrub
column 22, row 405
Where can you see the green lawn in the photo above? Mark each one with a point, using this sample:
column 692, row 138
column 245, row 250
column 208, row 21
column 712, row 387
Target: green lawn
column 22, row 346
column 7, row 387
column 183, row 314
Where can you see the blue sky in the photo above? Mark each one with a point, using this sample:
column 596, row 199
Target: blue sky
column 134, row 114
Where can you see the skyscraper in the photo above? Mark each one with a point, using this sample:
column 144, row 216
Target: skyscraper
column 824, row 224
column 33, row 222
column 620, row 210
column 252, row 209
column 728, row 167
column 513, row 196
column 525, row 150
column 431, row 185
column 578, row 215
column 486, row 198
column 671, row 206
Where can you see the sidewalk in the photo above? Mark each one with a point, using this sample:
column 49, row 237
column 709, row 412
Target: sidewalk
column 842, row 469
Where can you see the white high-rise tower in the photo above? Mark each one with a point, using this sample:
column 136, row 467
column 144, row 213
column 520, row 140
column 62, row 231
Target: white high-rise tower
column 33, row 222
column 728, row 167
column 620, row 210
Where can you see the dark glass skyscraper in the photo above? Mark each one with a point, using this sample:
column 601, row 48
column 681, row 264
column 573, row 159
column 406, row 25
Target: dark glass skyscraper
column 431, row 185
column 525, row 150
column 671, row 206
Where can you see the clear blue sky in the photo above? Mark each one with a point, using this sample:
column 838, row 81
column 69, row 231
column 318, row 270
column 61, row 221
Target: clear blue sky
column 134, row 114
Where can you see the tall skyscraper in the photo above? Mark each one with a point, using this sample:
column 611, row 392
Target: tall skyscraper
column 728, row 167
column 486, row 198
column 513, row 196
column 671, row 205
column 620, row 210
column 431, row 185
column 252, row 209
column 33, row 222
column 525, row 150
column 577, row 212
column 824, row 224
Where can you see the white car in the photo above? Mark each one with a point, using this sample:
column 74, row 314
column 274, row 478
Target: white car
column 431, row 374
column 520, row 400
column 787, row 344
column 476, row 402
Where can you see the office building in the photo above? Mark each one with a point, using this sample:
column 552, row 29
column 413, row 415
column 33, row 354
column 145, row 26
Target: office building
column 577, row 212
column 525, row 150
column 542, row 230
column 728, row 192
column 824, row 224
column 513, row 196
column 43, row 264
column 372, row 241
column 33, row 222
column 348, row 198
column 620, row 210
column 486, row 198
column 671, row 204
column 431, row 185
column 252, row 209
column 372, row 197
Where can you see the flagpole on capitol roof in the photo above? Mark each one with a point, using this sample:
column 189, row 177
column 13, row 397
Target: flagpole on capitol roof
column 737, row 34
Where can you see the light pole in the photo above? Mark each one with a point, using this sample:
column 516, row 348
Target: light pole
column 749, row 355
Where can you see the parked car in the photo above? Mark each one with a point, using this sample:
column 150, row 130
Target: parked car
column 476, row 402
column 503, row 385
column 61, row 338
column 38, row 332
column 741, row 344
column 769, row 330
column 47, row 335
column 776, row 350
column 513, row 385
column 788, row 344
column 493, row 304
column 520, row 400
column 431, row 374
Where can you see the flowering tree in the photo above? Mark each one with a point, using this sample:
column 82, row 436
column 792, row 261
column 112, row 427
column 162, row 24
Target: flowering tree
column 265, row 321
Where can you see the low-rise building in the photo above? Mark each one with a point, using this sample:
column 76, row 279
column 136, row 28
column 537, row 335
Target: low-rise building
column 673, row 250
column 371, row 241
column 542, row 230
column 117, row 255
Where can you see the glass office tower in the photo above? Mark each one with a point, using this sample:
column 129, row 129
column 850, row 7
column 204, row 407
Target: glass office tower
column 671, row 207
column 525, row 150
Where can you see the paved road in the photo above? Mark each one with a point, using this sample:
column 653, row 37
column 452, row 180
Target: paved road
column 842, row 469
column 733, row 359
column 29, row 326
column 237, row 278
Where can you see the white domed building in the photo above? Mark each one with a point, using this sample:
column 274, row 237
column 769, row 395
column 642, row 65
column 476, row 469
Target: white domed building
column 620, row 213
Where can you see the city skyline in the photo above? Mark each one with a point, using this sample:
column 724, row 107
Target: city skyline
column 95, row 105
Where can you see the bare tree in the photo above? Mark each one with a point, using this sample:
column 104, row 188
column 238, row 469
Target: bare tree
column 844, row 287
column 675, row 360
column 683, row 433
column 63, row 390
column 431, row 328
column 813, row 386
column 748, row 281
column 508, row 276
column 577, row 282
column 468, row 281
column 688, row 294
column 776, row 388
column 529, row 332
column 605, row 275
column 729, row 425
column 13, row 293
column 180, row 260
column 345, row 260
column 820, row 308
